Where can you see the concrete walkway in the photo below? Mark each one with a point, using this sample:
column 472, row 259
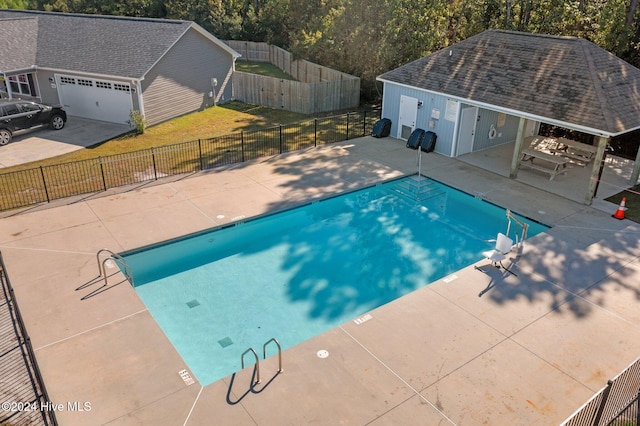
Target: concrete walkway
column 470, row 349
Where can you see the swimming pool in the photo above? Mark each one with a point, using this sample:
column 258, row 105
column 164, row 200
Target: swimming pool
column 298, row 273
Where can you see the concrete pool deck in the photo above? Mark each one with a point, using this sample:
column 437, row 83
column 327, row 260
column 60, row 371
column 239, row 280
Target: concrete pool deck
column 473, row 348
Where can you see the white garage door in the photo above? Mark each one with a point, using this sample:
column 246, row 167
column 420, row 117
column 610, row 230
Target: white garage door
column 96, row 99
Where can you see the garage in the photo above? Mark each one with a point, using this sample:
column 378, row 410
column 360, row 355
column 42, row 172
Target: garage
column 103, row 100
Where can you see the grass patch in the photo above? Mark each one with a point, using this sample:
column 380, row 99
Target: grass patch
column 632, row 203
column 220, row 120
column 262, row 68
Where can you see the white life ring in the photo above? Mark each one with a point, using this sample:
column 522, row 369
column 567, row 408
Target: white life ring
column 492, row 132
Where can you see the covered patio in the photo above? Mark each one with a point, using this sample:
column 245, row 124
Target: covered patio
column 572, row 183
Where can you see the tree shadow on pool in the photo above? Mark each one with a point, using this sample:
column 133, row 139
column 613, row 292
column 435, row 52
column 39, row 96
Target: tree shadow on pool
column 360, row 253
column 589, row 260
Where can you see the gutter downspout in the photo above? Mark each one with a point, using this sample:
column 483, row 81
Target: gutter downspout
column 138, row 85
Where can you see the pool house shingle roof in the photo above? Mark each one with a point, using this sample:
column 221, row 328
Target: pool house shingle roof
column 567, row 81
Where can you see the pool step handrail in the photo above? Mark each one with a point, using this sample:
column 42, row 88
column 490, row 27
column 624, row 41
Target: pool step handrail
column 102, row 272
column 264, row 356
column 525, row 228
column 257, row 363
column 264, row 352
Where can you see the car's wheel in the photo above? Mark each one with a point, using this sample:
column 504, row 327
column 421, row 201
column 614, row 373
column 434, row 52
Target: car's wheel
column 57, row 122
column 5, row 136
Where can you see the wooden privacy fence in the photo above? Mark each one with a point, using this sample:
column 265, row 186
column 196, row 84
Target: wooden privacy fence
column 315, row 89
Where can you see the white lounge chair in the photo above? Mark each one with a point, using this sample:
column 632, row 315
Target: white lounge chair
column 503, row 246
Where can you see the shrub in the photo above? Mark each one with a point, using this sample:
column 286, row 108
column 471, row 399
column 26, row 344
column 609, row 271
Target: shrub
column 137, row 121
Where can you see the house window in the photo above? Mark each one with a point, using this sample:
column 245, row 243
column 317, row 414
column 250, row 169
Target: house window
column 121, row 87
column 22, row 84
column 3, row 88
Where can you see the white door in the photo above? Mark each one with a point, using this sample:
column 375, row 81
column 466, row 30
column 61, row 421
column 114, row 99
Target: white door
column 407, row 116
column 467, row 130
column 103, row 100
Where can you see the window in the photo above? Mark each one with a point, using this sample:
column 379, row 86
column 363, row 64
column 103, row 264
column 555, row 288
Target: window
column 28, row 107
column 22, row 84
column 11, row 109
column 121, row 87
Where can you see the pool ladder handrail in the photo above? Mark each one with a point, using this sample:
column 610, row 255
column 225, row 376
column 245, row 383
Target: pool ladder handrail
column 117, row 259
column 264, row 356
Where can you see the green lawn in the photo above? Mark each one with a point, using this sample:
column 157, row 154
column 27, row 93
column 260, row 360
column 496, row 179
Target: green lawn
column 220, row 120
column 632, row 202
column 262, row 68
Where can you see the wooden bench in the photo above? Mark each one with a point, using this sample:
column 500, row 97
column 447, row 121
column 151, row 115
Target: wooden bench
column 552, row 164
column 580, row 152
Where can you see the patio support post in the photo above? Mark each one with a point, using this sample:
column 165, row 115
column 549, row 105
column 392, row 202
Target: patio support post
column 636, row 170
column 517, row 149
column 595, row 170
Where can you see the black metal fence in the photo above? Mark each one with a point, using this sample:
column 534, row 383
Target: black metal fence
column 615, row 404
column 630, row 414
column 23, row 395
column 45, row 184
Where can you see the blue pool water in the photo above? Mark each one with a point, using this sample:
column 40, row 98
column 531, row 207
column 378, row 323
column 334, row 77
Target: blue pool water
column 298, row 273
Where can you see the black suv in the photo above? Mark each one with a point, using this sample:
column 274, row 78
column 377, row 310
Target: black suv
column 21, row 116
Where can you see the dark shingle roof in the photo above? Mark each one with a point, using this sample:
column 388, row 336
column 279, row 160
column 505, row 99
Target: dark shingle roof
column 98, row 44
column 22, row 54
column 563, row 79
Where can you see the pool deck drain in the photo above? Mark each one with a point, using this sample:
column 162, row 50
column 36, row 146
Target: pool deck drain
column 530, row 350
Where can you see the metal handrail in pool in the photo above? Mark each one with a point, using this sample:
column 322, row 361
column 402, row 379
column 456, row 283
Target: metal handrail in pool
column 264, row 352
column 116, row 258
column 257, row 362
column 264, row 356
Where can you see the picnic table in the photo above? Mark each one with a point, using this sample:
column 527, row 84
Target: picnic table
column 574, row 150
column 551, row 164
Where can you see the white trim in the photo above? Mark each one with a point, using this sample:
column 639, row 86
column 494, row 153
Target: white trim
column 516, row 113
column 140, row 98
column 91, row 74
column 456, row 129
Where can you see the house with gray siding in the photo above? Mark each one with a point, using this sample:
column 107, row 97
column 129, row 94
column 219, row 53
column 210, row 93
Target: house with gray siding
column 498, row 86
column 103, row 67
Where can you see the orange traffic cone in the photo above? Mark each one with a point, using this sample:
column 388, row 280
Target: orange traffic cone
column 619, row 214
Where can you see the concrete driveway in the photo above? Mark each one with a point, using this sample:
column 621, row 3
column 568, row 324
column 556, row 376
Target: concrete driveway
column 45, row 143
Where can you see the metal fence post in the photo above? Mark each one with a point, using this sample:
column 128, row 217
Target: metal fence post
column 200, row 154
column 315, row 132
column 605, row 396
column 242, row 144
column 153, row 160
column 44, row 184
column 638, row 408
column 347, row 126
column 364, row 123
column 104, row 181
column 280, row 128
